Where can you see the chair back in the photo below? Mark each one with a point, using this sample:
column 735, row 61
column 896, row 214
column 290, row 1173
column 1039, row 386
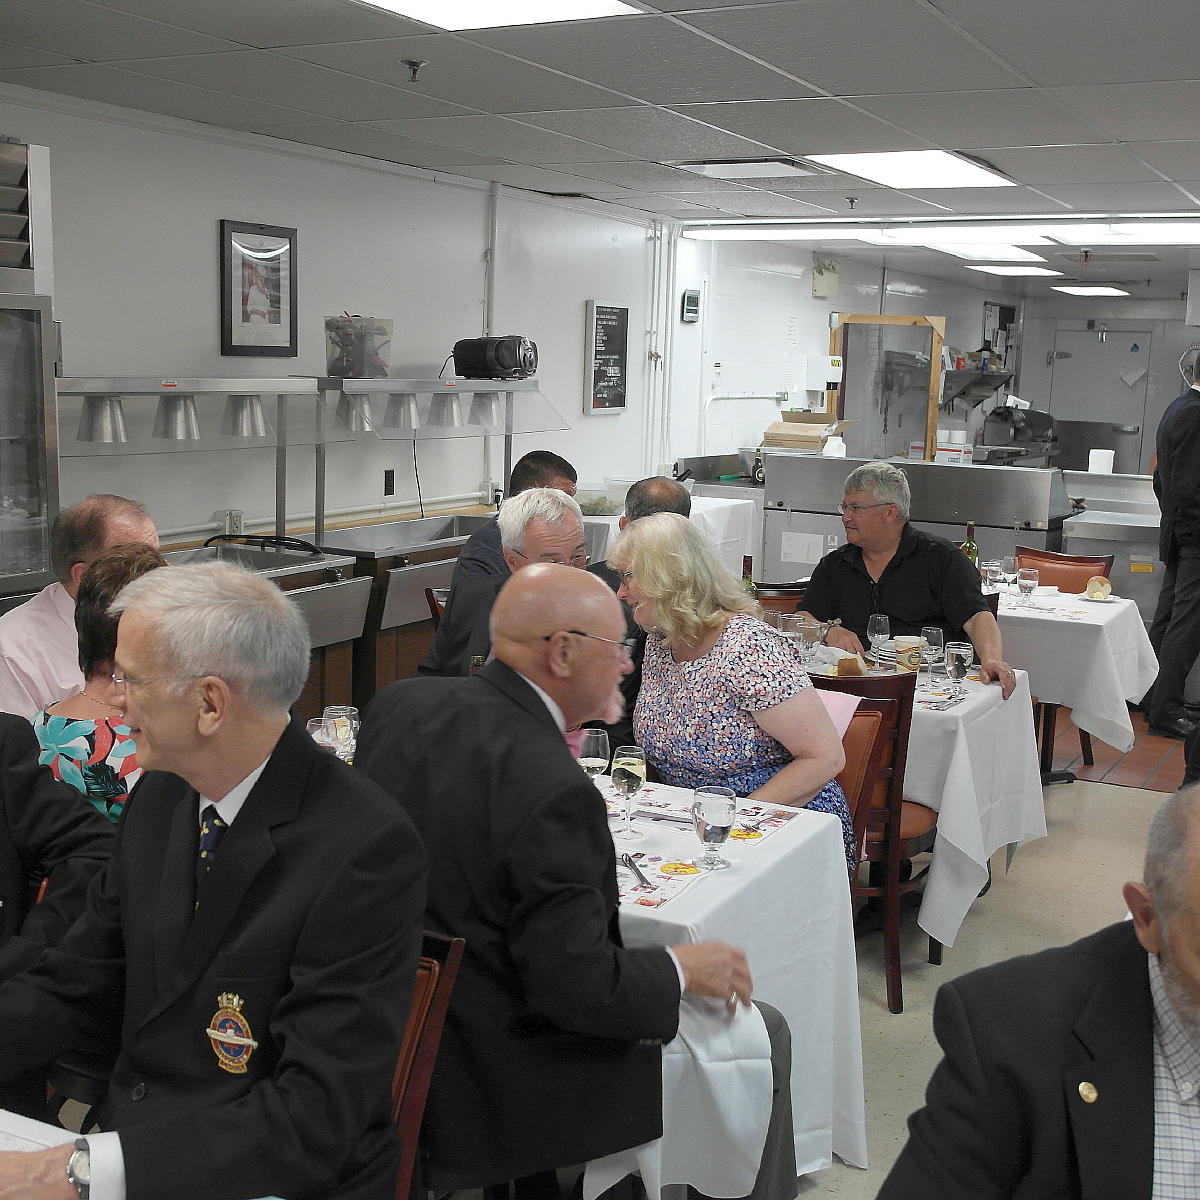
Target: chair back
column 993, row 602
column 1067, row 572
column 436, row 599
column 436, row 971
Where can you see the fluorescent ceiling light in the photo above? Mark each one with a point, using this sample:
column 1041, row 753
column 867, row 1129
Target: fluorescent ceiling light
column 1094, row 290
column 771, row 168
column 914, row 169
column 1127, row 233
column 1015, row 270
column 487, row 14
column 986, row 253
column 966, row 235
column 776, row 233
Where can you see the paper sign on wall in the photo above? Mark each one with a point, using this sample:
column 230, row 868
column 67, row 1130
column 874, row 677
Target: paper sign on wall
column 801, row 547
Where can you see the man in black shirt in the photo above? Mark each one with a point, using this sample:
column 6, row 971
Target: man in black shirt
column 913, row 577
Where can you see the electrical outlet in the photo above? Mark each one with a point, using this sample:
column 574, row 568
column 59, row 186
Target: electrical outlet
column 389, row 481
column 233, row 521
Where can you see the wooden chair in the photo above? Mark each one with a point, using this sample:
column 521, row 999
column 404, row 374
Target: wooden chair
column 436, row 599
column 436, row 972
column 890, row 829
column 1068, row 573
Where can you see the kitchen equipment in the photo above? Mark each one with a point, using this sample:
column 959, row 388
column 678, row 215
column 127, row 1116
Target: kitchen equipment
column 508, row 357
column 1017, row 436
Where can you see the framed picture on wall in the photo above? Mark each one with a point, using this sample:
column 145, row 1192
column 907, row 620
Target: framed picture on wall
column 258, row 290
column 606, row 359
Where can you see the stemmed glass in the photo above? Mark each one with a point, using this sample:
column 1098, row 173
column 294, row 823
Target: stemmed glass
column 713, row 811
column 878, row 632
column 342, row 721
column 1027, row 580
column 933, row 650
column 959, row 656
column 991, row 572
column 628, row 778
column 593, row 752
column 1008, row 568
column 320, row 732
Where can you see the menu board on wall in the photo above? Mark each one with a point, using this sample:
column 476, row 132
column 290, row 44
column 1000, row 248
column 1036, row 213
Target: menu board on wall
column 607, row 358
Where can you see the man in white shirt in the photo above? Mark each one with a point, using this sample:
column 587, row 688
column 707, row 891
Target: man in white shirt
column 39, row 648
column 250, row 951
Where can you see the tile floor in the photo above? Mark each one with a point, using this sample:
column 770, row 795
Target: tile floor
column 1155, row 763
column 1060, row 888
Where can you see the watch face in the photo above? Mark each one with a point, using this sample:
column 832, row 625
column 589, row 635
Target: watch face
column 79, row 1166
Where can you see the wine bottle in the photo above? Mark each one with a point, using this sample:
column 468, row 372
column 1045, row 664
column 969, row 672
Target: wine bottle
column 748, row 576
column 969, row 548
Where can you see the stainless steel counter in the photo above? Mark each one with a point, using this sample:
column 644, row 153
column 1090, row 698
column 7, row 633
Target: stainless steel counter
column 274, row 564
column 392, row 538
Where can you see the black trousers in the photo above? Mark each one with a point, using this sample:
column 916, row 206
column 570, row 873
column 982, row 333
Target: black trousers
column 1175, row 636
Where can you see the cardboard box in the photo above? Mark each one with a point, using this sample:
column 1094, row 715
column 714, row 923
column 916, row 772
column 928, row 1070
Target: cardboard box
column 803, row 430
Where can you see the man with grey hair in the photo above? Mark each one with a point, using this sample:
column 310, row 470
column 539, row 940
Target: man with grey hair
column 1073, row 1073
column 913, row 577
column 538, row 525
column 250, row 951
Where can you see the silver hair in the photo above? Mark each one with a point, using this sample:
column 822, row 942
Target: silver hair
column 885, row 481
column 1167, row 870
column 535, row 504
column 216, row 619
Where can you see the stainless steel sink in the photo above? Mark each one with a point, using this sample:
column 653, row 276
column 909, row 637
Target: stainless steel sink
column 269, row 562
column 403, row 537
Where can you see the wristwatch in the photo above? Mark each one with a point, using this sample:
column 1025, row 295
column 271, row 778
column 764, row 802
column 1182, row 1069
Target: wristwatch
column 79, row 1169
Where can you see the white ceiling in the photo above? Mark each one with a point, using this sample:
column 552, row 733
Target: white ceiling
column 1091, row 105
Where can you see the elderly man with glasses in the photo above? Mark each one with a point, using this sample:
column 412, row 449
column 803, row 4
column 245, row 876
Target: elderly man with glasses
column 914, row 578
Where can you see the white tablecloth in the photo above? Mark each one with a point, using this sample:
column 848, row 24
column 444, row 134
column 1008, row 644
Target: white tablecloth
column 786, row 902
column 977, row 765
column 728, row 524
column 1086, row 656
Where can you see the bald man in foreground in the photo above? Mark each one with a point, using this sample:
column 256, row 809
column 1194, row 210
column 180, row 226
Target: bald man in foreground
column 551, row 1055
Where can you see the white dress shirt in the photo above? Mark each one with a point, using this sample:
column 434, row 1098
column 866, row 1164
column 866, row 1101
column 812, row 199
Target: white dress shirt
column 1176, row 1098
column 108, row 1160
column 39, row 653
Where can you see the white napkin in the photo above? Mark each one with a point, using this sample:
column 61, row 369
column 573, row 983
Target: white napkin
column 716, row 1108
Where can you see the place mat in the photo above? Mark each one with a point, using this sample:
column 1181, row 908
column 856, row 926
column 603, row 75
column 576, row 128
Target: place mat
column 668, row 877
column 658, row 805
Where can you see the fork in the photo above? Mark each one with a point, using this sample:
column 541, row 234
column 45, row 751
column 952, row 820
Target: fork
column 752, row 824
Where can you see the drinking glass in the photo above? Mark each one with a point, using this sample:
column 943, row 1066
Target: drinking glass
column 628, row 778
column 1027, row 580
column 1008, row 568
column 319, row 731
column 959, row 656
column 933, row 652
column 802, row 632
column 878, row 631
column 593, row 752
column 713, row 811
column 991, row 572
column 342, row 719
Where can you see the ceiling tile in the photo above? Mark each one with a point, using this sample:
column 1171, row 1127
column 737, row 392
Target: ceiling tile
column 260, row 75
column 1044, row 165
column 643, row 176
column 988, row 200
column 501, row 137
column 857, row 47
column 1179, row 160
column 650, row 133
column 110, row 85
column 459, row 72
column 664, row 206
column 806, row 126
column 1129, row 112
column 1160, row 197
column 814, row 185
column 748, row 203
column 538, row 179
column 1080, row 41
column 273, row 22
column 1013, row 117
column 688, row 5
column 374, row 143
column 656, row 60
column 12, row 55
column 85, row 31
column 880, row 202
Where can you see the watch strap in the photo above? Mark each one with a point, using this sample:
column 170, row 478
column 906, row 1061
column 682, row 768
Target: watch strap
column 81, row 1181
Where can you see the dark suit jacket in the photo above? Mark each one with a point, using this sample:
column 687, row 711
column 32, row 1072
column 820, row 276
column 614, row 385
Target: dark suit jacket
column 1003, row 1116
column 1177, row 478
column 542, row 1063
column 463, row 632
column 481, row 554
column 311, row 915
column 46, row 828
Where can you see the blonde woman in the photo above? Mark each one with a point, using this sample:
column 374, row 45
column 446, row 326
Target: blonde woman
column 723, row 699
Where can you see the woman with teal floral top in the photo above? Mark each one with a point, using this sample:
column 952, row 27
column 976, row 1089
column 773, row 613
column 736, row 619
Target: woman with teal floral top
column 84, row 739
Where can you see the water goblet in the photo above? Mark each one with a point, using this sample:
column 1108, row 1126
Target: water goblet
column 991, row 572
column 320, row 732
column 342, row 720
column 959, row 656
column 933, row 651
column 628, row 778
column 593, row 752
column 1008, row 568
column 1027, row 581
column 878, row 631
column 713, row 812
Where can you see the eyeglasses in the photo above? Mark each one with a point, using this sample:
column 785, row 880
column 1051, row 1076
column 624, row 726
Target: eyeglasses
column 843, row 507
column 627, row 644
column 624, row 576
column 576, row 560
column 125, row 680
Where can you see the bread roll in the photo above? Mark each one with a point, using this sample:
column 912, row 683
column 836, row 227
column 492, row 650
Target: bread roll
column 1099, row 588
column 852, row 664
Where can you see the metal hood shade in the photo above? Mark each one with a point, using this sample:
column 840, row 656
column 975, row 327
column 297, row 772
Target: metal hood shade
column 176, row 420
column 446, row 411
column 401, row 411
column 354, row 413
column 102, row 420
column 487, row 409
column 244, row 417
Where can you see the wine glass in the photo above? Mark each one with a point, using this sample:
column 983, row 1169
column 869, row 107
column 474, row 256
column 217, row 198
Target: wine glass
column 713, row 811
column 959, row 656
column 1008, row 568
column 342, row 720
column 1027, row 580
column 593, row 752
column 991, row 573
column 319, row 731
column 628, row 778
column 933, row 651
column 878, row 631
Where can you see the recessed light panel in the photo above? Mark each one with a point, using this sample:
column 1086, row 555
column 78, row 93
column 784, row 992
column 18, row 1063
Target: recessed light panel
column 917, row 169
column 783, row 233
column 488, row 14
column 1015, row 270
column 985, row 253
column 1083, row 290
column 775, row 168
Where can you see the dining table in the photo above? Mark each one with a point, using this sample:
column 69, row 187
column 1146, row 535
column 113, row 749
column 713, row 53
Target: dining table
column 1090, row 656
column 785, row 901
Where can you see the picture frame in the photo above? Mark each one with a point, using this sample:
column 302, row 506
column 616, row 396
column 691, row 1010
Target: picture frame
column 258, row 290
column 606, row 359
